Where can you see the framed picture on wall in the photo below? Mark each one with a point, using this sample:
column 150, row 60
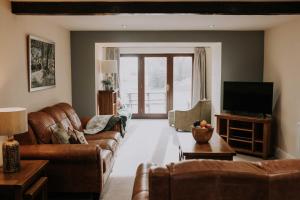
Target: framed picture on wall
column 41, row 63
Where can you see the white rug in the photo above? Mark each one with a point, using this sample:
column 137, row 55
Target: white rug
column 145, row 141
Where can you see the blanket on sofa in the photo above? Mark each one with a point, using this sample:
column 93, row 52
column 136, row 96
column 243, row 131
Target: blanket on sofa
column 100, row 123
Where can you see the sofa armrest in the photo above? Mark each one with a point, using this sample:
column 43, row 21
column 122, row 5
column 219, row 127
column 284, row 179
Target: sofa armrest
column 141, row 186
column 62, row 152
column 76, row 163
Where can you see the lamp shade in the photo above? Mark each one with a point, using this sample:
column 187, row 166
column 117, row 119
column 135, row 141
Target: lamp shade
column 13, row 121
column 109, row 66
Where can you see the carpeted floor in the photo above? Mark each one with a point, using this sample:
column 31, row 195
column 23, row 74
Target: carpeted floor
column 146, row 141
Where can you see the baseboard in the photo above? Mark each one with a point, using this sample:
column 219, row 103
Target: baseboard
column 280, row 154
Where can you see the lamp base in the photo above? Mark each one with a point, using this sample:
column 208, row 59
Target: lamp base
column 2, row 140
column 11, row 156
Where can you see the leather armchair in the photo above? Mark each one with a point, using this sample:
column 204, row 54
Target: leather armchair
column 184, row 119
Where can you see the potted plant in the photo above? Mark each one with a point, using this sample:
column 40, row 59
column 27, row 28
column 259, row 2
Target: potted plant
column 107, row 84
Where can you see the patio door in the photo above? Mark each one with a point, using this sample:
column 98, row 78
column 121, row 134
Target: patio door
column 146, row 83
column 154, row 86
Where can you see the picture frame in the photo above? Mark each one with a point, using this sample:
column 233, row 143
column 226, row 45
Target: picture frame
column 41, row 63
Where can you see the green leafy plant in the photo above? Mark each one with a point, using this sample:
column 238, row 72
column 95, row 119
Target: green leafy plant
column 107, row 84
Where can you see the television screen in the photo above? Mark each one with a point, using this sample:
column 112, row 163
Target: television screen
column 248, row 97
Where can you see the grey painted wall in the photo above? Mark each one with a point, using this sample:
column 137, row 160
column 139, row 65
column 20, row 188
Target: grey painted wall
column 242, row 56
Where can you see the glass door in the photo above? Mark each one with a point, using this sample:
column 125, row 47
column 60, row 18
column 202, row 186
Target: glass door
column 155, row 86
column 129, row 66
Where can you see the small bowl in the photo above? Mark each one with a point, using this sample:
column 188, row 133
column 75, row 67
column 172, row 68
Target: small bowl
column 202, row 135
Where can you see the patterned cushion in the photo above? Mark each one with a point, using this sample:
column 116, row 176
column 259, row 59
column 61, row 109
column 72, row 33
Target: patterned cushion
column 80, row 137
column 59, row 135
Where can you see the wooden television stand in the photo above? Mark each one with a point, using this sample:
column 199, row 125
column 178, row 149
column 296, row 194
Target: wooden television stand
column 250, row 135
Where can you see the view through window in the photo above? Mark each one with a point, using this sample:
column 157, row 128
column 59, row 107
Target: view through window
column 155, row 84
column 129, row 82
column 182, row 82
column 144, row 86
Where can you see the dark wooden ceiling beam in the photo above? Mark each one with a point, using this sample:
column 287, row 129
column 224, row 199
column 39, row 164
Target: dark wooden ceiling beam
column 102, row 8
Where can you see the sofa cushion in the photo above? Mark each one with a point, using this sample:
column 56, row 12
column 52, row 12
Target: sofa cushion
column 80, row 137
column 60, row 135
column 59, row 116
column 106, row 144
column 72, row 115
column 105, row 135
column 41, row 124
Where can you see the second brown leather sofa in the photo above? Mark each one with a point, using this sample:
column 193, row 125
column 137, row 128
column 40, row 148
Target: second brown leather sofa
column 219, row 180
column 73, row 168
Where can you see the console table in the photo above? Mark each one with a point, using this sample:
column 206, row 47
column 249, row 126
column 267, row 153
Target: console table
column 250, row 135
column 29, row 183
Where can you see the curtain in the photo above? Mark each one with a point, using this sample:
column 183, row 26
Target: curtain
column 113, row 53
column 199, row 75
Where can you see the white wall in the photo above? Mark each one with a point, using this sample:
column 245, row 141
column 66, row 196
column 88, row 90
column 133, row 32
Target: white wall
column 282, row 66
column 13, row 60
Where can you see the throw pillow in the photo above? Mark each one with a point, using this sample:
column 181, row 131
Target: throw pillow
column 59, row 135
column 73, row 138
column 80, row 137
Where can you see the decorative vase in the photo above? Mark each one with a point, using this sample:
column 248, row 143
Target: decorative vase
column 11, row 156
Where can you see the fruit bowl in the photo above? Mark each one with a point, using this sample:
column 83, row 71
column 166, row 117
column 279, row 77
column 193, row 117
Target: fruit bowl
column 202, row 135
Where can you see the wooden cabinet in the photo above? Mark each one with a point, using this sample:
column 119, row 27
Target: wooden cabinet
column 251, row 135
column 107, row 102
column 29, row 183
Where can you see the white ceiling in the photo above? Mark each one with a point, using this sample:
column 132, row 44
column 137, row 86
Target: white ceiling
column 127, row 22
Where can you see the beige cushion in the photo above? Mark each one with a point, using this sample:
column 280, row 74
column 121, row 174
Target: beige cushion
column 59, row 135
column 80, row 137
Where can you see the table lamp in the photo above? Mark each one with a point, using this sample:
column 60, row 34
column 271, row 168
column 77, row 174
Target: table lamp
column 12, row 121
column 108, row 67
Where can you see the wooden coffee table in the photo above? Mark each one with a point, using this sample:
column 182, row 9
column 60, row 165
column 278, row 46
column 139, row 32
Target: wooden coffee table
column 216, row 148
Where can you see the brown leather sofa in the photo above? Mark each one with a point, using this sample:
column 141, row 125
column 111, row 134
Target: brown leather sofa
column 216, row 180
column 73, row 168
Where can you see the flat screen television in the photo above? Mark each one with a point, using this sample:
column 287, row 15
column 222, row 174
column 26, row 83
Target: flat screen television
column 248, row 97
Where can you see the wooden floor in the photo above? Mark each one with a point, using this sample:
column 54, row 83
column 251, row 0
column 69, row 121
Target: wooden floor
column 147, row 141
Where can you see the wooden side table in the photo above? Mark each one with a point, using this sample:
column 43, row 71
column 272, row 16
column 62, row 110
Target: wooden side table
column 29, row 183
column 107, row 102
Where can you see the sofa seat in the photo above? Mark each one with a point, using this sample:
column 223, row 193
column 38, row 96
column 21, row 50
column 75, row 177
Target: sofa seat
column 107, row 144
column 105, row 135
